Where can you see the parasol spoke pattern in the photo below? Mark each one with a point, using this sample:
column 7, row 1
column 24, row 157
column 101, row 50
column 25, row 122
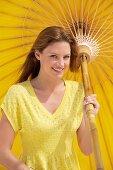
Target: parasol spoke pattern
column 20, row 24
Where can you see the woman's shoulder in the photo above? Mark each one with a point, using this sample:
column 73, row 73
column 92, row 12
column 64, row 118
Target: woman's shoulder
column 18, row 87
column 74, row 84
column 75, row 87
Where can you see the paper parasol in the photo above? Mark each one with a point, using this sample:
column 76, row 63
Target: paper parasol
column 21, row 22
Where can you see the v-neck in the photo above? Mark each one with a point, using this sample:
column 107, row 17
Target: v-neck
column 45, row 111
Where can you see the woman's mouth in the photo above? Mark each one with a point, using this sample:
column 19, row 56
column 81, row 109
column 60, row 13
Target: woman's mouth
column 58, row 69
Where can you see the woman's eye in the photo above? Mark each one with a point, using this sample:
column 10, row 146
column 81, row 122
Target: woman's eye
column 67, row 56
column 53, row 56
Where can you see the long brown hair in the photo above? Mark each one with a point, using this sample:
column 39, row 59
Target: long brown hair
column 31, row 66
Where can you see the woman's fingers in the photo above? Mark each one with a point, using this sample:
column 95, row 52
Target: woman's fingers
column 91, row 99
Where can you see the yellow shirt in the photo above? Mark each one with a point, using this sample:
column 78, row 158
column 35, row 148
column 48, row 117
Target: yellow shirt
column 47, row 139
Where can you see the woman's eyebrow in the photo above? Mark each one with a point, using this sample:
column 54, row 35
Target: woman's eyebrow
column 58, row 54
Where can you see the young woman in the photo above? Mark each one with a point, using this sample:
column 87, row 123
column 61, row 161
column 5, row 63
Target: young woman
column 46, row 110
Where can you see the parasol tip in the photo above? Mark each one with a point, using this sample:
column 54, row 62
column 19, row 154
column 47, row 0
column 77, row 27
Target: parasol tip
column 84, row 50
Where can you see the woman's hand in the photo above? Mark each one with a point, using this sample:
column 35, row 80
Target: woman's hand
column 91, row 100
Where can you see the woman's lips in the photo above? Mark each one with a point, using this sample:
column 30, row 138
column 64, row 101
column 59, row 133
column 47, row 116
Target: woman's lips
column 58, row 69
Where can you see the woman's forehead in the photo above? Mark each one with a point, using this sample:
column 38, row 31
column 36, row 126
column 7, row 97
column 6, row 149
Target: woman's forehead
column 58, row 46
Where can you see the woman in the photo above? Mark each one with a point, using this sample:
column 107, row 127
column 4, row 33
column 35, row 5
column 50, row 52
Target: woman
column 45, row 109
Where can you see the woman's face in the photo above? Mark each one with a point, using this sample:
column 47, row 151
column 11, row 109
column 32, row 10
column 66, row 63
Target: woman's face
column 54, row 59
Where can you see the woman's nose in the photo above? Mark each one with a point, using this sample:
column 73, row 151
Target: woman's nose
column 60, row 63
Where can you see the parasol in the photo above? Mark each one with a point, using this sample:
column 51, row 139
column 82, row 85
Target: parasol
column 21, row 22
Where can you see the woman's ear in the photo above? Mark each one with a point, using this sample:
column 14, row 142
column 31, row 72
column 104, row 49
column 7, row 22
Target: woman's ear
column 37, row 54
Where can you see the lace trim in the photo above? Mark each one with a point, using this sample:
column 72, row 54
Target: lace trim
column 53, row 162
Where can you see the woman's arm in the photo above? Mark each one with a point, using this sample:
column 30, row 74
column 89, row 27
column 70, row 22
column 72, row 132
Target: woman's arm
column 10, row 161
column 7, row 158
column 83, row 133
column 83, row 137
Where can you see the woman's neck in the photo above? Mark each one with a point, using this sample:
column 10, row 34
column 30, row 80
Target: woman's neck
column 44, row 83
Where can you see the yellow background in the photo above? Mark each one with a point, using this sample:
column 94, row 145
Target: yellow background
column 15, row 26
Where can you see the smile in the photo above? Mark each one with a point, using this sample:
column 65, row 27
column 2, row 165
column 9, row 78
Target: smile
column 58, row 69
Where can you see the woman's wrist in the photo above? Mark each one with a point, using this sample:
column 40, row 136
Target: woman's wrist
column 22, row 166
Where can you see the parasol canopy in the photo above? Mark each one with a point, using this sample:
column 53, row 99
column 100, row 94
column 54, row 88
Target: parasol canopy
column 20, row 23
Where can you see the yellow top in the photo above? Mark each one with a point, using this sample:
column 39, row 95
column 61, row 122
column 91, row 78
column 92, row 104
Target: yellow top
column 47, row 139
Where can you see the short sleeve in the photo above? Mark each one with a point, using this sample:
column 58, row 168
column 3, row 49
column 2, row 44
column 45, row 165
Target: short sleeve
column 80, row 104
column 10, row 106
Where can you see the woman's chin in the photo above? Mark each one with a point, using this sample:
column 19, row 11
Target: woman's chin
column 57, row 76
column 58, row 73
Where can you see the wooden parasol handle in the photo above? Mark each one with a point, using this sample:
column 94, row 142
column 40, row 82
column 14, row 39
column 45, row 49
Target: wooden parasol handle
column 91, row 116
